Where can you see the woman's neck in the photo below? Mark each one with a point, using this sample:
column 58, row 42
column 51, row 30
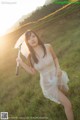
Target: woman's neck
column 39, row 51
column 37, row 47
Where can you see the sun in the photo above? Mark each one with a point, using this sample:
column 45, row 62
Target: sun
column 3, row 30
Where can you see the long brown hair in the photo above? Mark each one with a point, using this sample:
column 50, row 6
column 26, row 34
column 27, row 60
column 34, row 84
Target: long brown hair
column 32, row 52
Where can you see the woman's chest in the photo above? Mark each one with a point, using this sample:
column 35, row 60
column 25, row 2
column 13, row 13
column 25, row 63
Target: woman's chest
column 44, row 63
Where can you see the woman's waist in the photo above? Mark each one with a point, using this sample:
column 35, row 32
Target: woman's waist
column 47, row 70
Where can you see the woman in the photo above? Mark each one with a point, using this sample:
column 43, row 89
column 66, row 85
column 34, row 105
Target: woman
column 53, row 80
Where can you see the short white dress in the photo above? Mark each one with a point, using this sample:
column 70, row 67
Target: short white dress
column 48, row 79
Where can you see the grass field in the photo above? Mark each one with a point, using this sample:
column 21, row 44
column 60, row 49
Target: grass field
column 21, row 96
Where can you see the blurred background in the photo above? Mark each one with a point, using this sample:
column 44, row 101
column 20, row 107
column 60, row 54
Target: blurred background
column 21, row 95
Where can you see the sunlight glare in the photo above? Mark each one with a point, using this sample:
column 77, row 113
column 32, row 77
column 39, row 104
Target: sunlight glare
column 11, row 13
column 2, row 47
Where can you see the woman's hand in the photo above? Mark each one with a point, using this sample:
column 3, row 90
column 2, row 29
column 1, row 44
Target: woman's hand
column 26, row 67
column 59, row 72
column 59, row 75
column 60, row 84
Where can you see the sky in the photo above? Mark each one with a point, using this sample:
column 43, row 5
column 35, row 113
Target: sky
column 12, row 10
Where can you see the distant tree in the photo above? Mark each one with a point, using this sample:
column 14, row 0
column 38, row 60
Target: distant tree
column 41, row 12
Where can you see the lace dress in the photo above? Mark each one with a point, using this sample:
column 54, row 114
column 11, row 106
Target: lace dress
column 48, row 79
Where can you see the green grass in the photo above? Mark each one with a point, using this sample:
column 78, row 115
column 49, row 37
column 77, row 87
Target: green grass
column 21, row 95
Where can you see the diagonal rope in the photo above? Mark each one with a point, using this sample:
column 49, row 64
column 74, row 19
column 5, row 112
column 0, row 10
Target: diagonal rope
column 60, row 15
column 44, row 17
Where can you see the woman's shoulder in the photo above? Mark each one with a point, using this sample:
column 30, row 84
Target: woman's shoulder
column 49, row 48
column 48, row 45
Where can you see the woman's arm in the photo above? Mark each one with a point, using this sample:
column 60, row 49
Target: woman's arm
column 26, row 67
column 58, row 70
column 54, row 57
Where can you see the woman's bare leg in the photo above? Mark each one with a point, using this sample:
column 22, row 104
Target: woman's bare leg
column 63, row 90
column 67, row 105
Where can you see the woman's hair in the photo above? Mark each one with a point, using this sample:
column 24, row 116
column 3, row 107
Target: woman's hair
column 32, row 52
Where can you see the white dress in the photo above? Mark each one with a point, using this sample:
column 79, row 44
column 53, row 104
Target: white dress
column 48, row 79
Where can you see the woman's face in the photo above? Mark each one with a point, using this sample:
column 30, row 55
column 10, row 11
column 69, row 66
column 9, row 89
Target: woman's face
column 33, row 41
